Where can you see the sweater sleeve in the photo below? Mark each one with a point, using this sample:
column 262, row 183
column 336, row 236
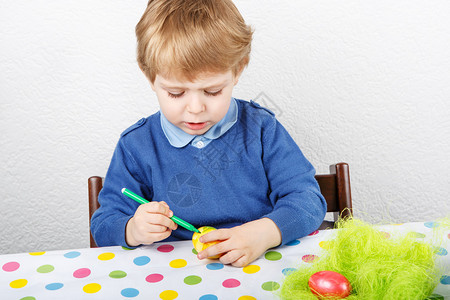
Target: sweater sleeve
column 299, row 207
column 109, row 221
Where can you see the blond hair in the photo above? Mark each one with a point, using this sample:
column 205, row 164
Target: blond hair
column 189, row 37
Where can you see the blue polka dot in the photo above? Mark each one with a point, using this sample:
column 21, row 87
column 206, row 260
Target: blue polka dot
column 208, row 297
column 129, row 292
column 54, row 286
column 293, row 243
column 431, row 224
column 214, row 266
column 288, row 271
column 141, row 260
column 445, row 279
column 72, row 254
column 441, row 251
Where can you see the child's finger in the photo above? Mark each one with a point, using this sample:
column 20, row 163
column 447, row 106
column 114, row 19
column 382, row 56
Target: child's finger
column 216, row 235
column 231, row 257
column 169, row 212
column 157, row 207
column 156, row 228
column 241, row 262
column 217, row 249
column 154, row 214
column 159, row 219
column 164, row 203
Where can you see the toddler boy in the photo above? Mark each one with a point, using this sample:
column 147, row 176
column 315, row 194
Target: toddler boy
column 206, row 157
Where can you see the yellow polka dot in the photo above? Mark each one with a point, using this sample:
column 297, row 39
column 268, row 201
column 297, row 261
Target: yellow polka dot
column 168, row 295
column 246, row 298
column 250, row 269
column 106, row 256
column 92, row 288
column 36, row 253
column 326, row 245
column 19, row 283
column 178, row 263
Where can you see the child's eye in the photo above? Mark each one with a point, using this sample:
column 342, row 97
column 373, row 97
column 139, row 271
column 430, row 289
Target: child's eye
column 213, row 93
column 172, row 95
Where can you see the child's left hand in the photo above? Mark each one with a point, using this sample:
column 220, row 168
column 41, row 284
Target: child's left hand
column 242, row 244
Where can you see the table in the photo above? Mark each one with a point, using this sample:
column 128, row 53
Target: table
column 172, row 271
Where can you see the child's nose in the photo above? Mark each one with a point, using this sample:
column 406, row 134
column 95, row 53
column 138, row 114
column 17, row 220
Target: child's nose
column 195, row 105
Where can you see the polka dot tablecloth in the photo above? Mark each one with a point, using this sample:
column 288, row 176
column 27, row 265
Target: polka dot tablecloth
column 172, row 271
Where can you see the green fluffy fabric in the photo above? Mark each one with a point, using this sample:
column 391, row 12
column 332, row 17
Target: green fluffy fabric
column 376, row 266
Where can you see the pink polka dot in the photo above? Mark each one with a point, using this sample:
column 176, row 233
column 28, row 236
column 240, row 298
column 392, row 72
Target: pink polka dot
column 81, row 273
column 314, row 233
column 11, row 266
column 154, row 278
column 385, row 234
column 309, row 258
column 165, row 248
column 231, row 283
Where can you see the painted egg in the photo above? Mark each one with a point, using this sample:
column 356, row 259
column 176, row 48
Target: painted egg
column 329, row 284
column 202, row 246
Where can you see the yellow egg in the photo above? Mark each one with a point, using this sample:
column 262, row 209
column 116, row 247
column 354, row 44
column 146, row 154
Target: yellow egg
column 202, row 246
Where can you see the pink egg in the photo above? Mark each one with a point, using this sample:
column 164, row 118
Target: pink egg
column 329, row 284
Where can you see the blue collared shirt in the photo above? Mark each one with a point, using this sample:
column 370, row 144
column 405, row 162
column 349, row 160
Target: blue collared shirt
column 178, row 138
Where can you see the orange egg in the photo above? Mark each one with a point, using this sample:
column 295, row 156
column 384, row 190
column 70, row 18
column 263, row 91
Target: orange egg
column 202, row 246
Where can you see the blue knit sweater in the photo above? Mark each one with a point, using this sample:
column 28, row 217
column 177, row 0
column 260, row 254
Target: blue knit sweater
column 252, row 171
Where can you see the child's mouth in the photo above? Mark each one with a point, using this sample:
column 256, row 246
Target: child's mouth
column 196, row 126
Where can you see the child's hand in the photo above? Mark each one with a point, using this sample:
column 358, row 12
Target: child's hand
column 150, row 224
column 243, row 244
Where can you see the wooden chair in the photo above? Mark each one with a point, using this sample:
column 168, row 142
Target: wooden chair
column 335, row 187
column 95, row 184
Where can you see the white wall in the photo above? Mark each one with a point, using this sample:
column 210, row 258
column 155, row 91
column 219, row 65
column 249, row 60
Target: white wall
column 366, row 82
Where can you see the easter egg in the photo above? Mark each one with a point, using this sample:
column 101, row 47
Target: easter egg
column 202, row 246
column 329, row 284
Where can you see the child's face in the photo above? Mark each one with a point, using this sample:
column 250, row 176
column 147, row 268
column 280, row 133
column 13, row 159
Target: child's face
column 195, row 106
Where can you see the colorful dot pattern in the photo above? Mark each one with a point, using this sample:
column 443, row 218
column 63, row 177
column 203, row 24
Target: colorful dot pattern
column 170, row 271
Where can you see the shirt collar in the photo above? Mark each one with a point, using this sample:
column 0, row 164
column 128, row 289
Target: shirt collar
column 178, row 138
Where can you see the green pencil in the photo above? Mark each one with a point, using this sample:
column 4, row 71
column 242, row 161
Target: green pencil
column 141, row 200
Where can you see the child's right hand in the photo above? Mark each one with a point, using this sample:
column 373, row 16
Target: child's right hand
column 151, row 223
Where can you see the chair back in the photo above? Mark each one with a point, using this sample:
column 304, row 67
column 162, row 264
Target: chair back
column 335, row 188
column 95, row 184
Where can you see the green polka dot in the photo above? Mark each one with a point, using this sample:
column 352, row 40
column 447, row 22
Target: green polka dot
column 273, row 255
column 415, row 235
column 125, row 248
column 117, row 274
column 194, row 251
column 45, row 269
column 28, row 298
column 270, row 286
column 192, row 280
